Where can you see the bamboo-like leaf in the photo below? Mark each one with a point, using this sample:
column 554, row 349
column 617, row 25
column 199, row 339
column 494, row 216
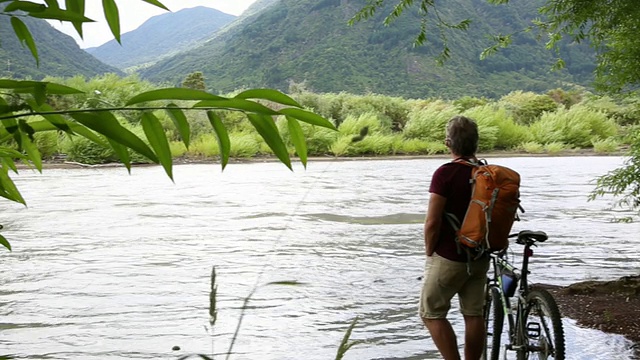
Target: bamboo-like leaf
column 24, row 35
column 106, row 124
column 172, row 94
column 181, row 123
column 26, row 6
column 76, row 6
column 32, row 151
column 52, row 4
column 122, row 152
column 308, row 117
column 4, row 242
column 237, row 104
column 286, row 283
column 40, row 93
column 57, row 89
column 8, row 189
column 158, row 140
column 223, row 137
column 11, row 125
column 27, row 86
column 156, row 3
column 113, row 17
column 345, row 344
column 56, row 120
column 269, row 132
column 268, row 94
column 7, row 157
column 298, row 140
column 60, row 14
column 85, row 132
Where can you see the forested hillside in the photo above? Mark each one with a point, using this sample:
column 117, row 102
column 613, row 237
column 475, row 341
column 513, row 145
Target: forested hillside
column 162, row 36
column 59, row 54
column 310, row 41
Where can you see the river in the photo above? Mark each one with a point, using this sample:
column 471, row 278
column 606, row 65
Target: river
column 108, row 265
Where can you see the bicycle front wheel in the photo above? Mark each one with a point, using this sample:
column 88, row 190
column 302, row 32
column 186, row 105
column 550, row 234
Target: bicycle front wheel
column 541, row 332
column 494, row 321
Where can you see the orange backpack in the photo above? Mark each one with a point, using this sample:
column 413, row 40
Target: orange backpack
column 495, row 199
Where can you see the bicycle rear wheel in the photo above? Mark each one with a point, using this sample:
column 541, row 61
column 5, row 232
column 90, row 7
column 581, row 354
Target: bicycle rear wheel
column 494, row 321
column 542, row 334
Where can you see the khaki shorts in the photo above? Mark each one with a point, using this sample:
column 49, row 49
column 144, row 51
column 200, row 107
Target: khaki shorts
column 444, row 278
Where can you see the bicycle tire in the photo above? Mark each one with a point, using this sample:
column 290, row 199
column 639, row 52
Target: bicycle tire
column 543, row 310
column 494, row 323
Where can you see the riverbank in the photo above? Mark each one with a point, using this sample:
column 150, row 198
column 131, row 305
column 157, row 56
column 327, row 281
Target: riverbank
column 610, row 306
column 61, row 163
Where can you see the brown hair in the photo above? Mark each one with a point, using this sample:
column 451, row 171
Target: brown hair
column 462, row 136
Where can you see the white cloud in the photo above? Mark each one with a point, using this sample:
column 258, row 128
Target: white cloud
column 134, row 13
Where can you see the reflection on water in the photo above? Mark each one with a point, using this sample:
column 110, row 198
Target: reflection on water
column 114, row 266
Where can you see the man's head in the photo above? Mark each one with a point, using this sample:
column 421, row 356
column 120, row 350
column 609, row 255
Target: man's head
column 462, row 136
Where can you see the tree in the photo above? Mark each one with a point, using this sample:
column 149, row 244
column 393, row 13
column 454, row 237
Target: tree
column 610, row 27
column 28, row 99
column 195, row 80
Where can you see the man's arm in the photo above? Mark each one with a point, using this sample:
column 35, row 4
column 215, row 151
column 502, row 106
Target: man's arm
column 435, row 211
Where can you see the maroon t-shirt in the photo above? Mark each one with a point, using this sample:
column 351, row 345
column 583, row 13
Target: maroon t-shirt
column 451, row 180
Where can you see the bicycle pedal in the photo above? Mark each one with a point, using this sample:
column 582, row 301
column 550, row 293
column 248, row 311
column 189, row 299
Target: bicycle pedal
column 533, row 330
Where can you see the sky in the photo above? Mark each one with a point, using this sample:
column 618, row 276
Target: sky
column 135, row 12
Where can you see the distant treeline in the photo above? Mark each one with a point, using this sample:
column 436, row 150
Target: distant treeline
column 520, row 121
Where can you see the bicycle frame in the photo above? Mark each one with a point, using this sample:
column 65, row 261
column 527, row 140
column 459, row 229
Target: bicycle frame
column 514, row 319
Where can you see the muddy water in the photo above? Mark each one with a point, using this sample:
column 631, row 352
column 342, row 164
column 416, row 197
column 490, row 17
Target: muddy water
column 114, row 266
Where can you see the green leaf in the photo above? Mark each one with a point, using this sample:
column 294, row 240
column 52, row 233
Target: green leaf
column 57, row 89
column 10, row 154
column 8, row 189
column 29, row 86
column 122, row 153
column 172, row 94
column 60, row 14
column 156, row 3
column 223, row 137
column 113, row 17
column 26, row 6
column 5, row 243
column 308, row 117
column 298, row 139
column 56, row 120
column 268, row 94
column 106, row 124
column 85, row 132
column 158, row 140
column 269, row 132
column 286, row 283
column 24, row 35
column 32, row 151
column 76, row 6
column 236, row 104
column 181, row 123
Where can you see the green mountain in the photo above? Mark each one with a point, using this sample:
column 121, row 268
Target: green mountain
column 59, row 54
column 310, row 42
column 161, row 36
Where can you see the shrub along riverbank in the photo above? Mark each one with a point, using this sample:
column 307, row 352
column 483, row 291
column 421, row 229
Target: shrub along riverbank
column 556, row 122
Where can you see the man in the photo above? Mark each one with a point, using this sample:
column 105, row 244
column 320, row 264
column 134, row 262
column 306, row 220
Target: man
column 448, row 271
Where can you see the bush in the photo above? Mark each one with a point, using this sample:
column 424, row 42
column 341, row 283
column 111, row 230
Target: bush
column 532, row 147
column 82, row 150
column 497, row 130
column 554, row 148
column 375, row 122
column 429, row 122
column 578, row 126
column 526, row 107
column 605, row 146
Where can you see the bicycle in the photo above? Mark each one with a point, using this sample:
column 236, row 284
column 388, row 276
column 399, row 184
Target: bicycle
column 535, row 328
